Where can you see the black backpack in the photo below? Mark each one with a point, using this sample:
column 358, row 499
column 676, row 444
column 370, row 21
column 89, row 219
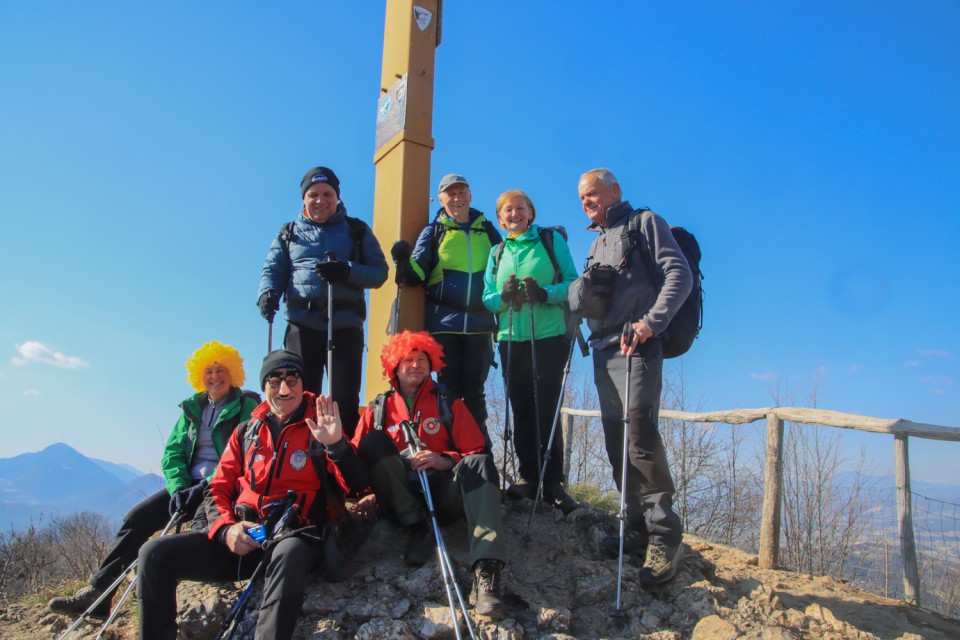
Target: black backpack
column 685, row 326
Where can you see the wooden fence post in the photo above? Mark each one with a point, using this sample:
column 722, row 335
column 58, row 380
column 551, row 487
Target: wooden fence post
column 772, row 494
column 911, row 572
column 566, row 422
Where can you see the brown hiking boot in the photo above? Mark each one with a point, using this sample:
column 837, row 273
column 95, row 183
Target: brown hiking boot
column 487, row 592
column 661, row 564
column 80, row 601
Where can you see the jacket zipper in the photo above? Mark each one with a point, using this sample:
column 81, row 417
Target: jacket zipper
column 466, row 314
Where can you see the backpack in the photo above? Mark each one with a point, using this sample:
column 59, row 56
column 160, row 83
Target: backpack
column 443, row 408
column 358, row 229
column 685, row 326
column 570, row 320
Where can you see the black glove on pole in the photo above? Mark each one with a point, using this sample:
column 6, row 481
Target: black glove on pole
column 269, row 303
column 533, row 292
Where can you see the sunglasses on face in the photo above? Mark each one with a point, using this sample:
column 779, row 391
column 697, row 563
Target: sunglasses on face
column 275, row 378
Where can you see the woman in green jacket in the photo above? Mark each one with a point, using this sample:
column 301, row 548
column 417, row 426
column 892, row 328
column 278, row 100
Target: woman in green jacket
column 522, row 274
column 189, row 459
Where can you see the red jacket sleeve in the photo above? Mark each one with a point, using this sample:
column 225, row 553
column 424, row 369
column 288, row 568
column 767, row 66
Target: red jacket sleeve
column 467, row 437
column 224, row 482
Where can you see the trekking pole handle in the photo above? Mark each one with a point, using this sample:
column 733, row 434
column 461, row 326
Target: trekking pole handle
column 288, row 513
column 330, row 256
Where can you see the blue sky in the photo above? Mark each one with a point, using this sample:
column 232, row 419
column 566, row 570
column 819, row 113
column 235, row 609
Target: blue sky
column 149, row 151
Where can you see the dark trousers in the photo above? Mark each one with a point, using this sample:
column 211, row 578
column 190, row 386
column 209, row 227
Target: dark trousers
column 468, row 357
column 649, row 491
column 311, row 344
column 551, row 359
column 164, row 562
column 470, row 490
column 141, row 522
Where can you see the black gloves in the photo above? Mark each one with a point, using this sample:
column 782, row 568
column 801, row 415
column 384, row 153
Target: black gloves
column 401, row 252
column 601, row 279
column 187, row 500
column 333, row 271
column 533, row 292
column 269, row 302
column 511, row 292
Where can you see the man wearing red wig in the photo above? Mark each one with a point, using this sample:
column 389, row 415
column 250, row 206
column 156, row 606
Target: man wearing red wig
column 463, row 477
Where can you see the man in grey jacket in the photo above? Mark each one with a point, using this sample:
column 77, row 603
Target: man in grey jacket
column 617, row 289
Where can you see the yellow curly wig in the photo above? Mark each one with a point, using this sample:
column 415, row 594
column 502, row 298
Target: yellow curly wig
column 209, row 353
column 405, row 343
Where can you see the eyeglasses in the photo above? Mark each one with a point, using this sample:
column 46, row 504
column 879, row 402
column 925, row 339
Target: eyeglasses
column 275, row 378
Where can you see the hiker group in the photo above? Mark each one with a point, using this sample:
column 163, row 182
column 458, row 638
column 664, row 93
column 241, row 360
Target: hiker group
column 270, row 485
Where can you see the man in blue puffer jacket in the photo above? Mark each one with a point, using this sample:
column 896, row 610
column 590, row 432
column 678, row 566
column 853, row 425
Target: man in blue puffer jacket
column 298, row 267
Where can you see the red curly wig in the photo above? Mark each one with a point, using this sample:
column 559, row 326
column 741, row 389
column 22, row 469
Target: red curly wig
column 403, row 344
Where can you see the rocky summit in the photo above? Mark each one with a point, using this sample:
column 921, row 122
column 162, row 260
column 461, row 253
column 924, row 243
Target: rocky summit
column 559, row 586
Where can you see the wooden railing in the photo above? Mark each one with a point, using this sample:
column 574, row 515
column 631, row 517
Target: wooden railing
column 901, row 430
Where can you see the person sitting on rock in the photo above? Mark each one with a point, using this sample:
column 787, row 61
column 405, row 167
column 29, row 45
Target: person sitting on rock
column 189, row 459
column 462, row 475
column 294, row 442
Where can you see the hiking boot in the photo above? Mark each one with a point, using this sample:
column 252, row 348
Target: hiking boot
column 487, row 592
column 80, row 602
column 634, row 543
column 419, row 546
column 522, row 489
column 555, row 495
column 661, row 564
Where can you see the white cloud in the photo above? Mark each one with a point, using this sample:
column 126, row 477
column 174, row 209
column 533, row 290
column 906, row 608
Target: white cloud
column 912, row 363
column 933, row 353
column 937, row 392
column 31, row 392
column 763, row 376
column 42, row 354
column 941, row 381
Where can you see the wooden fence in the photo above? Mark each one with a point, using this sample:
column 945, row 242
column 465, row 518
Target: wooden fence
column 901, row 430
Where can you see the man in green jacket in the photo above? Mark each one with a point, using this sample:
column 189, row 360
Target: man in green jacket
column 189, row 459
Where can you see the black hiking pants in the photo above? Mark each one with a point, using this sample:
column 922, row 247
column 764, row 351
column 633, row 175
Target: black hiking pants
column 311, row 344
column 467, row 357
column 551, row 359
column 164, row 562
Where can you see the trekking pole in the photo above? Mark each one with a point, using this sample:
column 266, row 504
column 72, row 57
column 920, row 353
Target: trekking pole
column 236, row 613
column 627, row 327
column 507, row 427
column 446, row 566
column 553, row 430
column 270, row 335
column 331, row 256
column 109, row 590
column 536, row 394
column 393, row 327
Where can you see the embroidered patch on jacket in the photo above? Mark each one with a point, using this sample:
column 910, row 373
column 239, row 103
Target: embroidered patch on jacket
column 393, row 428
column 298, row 460
column 431, row 426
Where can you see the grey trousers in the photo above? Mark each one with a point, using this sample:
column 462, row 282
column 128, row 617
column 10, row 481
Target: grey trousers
column 649, row 491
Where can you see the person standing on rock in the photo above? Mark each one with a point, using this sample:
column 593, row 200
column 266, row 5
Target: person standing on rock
column 193, row 450
column 324, row 248
column 462, row 474
column 450, row 258
column 293, row 442
column 625, row 312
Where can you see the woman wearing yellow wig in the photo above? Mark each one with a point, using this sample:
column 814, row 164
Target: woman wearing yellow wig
column 189, row 459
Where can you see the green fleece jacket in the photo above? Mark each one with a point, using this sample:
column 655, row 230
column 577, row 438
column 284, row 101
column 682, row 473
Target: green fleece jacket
column 180, row 445
column 525, row 255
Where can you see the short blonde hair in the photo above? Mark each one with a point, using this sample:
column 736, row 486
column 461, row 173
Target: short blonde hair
column 210, row 353
column 506, row 196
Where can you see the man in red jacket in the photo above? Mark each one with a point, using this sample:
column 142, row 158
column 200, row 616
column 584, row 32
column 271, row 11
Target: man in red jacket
column 463, row 477
column 293, row 441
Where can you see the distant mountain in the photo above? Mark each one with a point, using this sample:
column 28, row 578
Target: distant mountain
column 36, row 487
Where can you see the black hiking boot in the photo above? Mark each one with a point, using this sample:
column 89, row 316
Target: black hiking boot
column 522, row 489
column 555, row 495
column 661, row 564
column 486, row 596
column 420, row 545
column 80, row 602
column 634, row 543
